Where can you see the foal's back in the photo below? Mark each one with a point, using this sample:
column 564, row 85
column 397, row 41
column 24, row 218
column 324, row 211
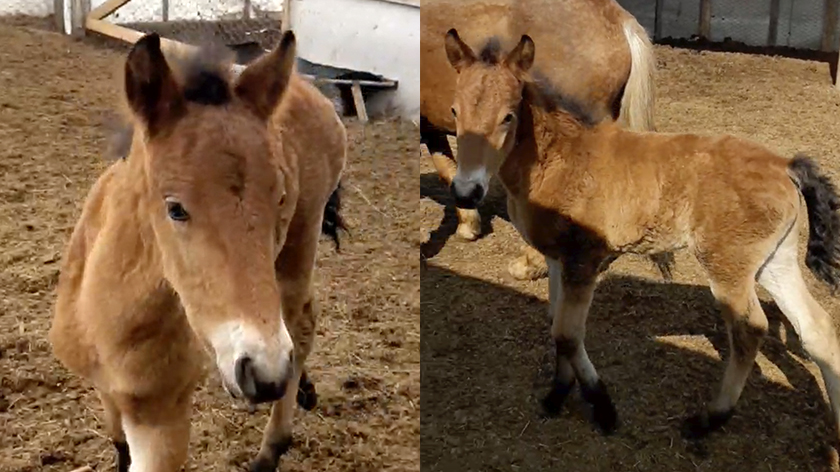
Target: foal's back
column 682, row 186
column 313, row 141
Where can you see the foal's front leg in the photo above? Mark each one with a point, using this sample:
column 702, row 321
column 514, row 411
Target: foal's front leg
column 157, row 433
column 571, row 296
column 294, row 269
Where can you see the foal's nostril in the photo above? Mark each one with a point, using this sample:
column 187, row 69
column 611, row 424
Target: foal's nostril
column 245, row 377
column 466, row 194
column 257, row 389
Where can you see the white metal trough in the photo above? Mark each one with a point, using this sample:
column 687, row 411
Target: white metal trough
column 378, row 37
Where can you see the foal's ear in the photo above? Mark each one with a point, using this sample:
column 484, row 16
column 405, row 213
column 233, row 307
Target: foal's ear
column 459, row 54
column 152, row 92
column 261, row 85
column 522, row 57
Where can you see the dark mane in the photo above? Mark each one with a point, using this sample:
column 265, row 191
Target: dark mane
column 205, row 75
column 550, row 98
column 491, row 52
column 205, row 79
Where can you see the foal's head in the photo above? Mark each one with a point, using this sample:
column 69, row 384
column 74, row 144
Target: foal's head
column 486, row 109
column 213, row 200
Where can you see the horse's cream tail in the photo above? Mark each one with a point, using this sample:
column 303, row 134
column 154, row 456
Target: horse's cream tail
column 782, row 277
column 637, row 104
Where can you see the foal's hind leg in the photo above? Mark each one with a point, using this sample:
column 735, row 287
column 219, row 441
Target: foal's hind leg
column 571, row 296
column 469, row 221
column 732, row 270
column 746, row 325
column 782, row 277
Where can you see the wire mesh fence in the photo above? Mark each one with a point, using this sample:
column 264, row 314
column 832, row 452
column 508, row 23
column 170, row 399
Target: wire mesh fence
column 797, row 24
column 248, row 26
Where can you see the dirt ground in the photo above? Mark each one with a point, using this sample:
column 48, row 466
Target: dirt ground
column 486, row 354
column 55, row 95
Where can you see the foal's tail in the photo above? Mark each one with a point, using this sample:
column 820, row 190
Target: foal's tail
column 822, row 201
column 333, row 222
column 639, row 95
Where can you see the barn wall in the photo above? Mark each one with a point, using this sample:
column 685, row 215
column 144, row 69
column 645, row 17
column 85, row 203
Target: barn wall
column 380, row 37
column 800, row 21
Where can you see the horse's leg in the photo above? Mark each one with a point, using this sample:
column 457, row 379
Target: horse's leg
column 571, row 298
column 564, row 376
column 158, row 435
column 782, row 277
column 114, row 428
column 469, row 221
column 530, row 265
column 294, row 268
column 732, row 281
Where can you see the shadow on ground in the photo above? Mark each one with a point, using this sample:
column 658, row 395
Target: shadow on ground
column 493, row 206
column 486, row 360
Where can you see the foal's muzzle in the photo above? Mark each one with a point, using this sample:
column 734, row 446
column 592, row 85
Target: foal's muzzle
column 467, row 193
column 255, row 387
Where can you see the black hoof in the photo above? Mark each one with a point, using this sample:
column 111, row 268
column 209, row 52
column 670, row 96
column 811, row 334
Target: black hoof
column 307, row 398
column 553, row 402
column 700, row 425
column 123, row 458
column 603, row 410
column 269, row 463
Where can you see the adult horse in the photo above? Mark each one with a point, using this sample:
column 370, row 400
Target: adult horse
column 598, row 53
column 203, row 237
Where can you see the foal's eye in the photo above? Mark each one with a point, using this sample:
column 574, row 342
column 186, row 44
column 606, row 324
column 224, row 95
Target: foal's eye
column 508, row 119
column 176, row 211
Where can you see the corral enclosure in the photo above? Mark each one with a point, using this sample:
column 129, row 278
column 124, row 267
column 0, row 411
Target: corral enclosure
column 802, row 24
column 57, row 100
column 486, row 351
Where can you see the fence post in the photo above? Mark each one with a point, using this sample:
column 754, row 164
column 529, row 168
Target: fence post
column 705, row 26
column 657, row 20
column 78, row 15
column 58, row 8
column 829, row 25
column 773, row 29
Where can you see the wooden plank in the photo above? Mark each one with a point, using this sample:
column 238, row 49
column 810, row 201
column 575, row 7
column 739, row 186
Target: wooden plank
column 108, row 7
column 78, row 13
column 359, row 101
column 657, row 19
column 165, row 7
column 829, row 25
column 773, row 28
column 704, row 29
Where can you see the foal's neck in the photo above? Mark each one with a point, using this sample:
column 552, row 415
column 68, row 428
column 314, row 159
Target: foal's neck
column 544, row 135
